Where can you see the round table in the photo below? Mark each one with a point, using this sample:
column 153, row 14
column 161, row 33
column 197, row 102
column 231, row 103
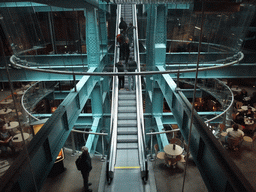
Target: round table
column 245, row 108
column 13, row 125
column 20, row 93
column 228, row 130
column 173, row 152
column 17, row 139
column 235, row 89
column 6, row 101
column 5, row 111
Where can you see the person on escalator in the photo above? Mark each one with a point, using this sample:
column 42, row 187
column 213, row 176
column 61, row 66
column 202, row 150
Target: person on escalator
column 120, row 68
column 123, row 25
column 125, row 50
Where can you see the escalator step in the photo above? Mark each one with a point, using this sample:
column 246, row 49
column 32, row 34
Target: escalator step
column 128, row 116
column 127, row 139
column 127, row 131
column 127, row 146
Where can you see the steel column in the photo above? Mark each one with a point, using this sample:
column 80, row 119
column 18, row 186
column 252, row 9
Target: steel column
column 92, row 38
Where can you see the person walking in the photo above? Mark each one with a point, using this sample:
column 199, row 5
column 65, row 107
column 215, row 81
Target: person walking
column 86, row 167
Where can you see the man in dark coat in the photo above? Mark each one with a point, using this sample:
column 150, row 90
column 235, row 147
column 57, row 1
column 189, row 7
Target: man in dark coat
column 123, row 24
column 86, row 167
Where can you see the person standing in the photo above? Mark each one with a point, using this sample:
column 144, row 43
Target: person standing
column 86, row 167
column 120, row 68
column 123, row 24
column 131, row 66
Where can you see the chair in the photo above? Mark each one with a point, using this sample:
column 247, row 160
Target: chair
column 222, row 127
column 239, row 104
column 158, row 155
column 175, row 141
column 233, row 117
column 250, row 140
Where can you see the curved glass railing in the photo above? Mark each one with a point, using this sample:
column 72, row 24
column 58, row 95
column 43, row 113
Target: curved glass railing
column 221, row 92
column 33, row 95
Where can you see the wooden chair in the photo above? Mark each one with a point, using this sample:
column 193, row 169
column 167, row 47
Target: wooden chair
column 233, row 117
column 239, row 104
column 222, row 127
column 158, row 155
column 175, row 141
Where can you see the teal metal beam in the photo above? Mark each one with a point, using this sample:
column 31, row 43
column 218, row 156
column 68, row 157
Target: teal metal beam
column 64, row 3
column 222, row 174
column 92, row 37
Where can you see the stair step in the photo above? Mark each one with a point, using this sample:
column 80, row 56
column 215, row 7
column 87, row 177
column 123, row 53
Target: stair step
column 127, row 103
column 125, row 92
column 127, row 123
column 127, row 109
column 127, row 97
column 127, row 139
column 127, row 116
column 127, row 146
column 127, row 131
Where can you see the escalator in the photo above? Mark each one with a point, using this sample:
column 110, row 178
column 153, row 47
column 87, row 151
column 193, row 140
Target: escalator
column 127, row 163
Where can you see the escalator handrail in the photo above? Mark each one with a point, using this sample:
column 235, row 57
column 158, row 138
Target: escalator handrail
column 114, row 104
column 139, row 101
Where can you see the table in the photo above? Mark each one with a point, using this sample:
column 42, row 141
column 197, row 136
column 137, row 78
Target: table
column 20, row 93
column 247, row 98
column 173, row 152
column 245, row 108
column 224, row 134
column 17, row 139
column 13, row 125
column 235, row 89
column 6, row 101
column 5, row 111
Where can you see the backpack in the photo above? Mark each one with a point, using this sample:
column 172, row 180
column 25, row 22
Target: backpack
column 79, row 163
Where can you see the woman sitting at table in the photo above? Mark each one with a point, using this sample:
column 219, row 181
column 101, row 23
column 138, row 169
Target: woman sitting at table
column 5, row 139
column 234, row 138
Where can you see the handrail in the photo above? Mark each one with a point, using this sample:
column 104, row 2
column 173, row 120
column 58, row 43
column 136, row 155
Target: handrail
column 139, row 101
column 114, row 109
column 22, row 102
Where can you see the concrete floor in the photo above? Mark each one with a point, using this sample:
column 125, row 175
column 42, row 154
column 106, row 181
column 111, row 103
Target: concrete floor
column 166, row 179
column 71, row 179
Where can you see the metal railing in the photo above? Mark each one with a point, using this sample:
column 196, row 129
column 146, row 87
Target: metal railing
column 139, row 101
column 114, row 110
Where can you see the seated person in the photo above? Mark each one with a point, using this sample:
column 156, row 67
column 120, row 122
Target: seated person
column 234, row 137
column 244, row 93
column 239, row 97
column 249, row 113
column 239, row 119
column 253, row 99
column 5, row 138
